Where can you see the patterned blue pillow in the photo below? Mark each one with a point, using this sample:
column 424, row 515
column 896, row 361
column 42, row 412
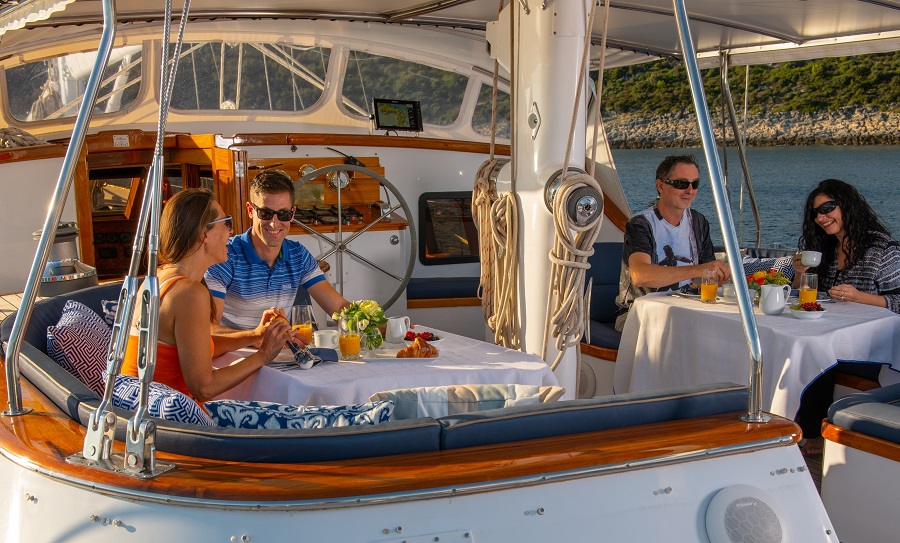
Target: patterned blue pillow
column 783, row 264
column 273, row 416
column 163, row 402
column 79, row 342
column 110, row 308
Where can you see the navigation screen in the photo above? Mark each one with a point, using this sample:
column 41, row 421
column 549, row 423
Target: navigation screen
column 397, row 115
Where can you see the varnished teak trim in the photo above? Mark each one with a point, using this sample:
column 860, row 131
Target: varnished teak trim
column 46, row 436
column 862, row 442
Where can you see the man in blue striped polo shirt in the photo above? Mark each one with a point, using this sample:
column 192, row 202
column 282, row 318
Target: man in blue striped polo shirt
column 263, row 269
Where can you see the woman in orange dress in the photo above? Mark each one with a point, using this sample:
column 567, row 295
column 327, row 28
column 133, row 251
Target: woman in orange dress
column 194, row 231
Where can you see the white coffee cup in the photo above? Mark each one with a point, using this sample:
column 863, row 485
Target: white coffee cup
column 396, row 329
column 810, row 258
column 326, row 339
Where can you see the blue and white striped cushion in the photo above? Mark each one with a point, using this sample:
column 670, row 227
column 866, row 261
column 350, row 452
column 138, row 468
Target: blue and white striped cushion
column 274, row 416
column 79, row 343
column 163, row 402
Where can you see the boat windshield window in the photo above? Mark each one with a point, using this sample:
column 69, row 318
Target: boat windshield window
column 450, row 235
column 53, row 88
column 439, row 92
column 481, row 120
column 249, row 76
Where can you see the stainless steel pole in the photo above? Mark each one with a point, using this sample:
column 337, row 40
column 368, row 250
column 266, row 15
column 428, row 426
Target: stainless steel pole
column 57, row 202
column 754, row 411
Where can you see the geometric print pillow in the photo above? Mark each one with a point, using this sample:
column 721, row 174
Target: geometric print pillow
column 163, row 402
column 275, row 416
column 79, row 342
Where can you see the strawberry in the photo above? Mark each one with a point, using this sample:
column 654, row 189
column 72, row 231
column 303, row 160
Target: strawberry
column 427, row 336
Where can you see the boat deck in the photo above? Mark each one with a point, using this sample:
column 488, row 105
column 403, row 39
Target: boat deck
column 10, row 303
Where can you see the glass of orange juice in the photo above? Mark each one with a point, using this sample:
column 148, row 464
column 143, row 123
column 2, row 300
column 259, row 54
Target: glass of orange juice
column 348, row 341
column 809, row 286
column 301, row 317
column 709, row 286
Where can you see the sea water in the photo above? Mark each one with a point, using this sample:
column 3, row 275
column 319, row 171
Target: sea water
column 782, row 178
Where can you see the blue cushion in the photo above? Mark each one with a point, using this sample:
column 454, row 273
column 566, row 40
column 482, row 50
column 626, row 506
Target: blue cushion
column 273, row 416
column 604, row 334
column 163, row 402
column 875, row 413
column 589, row 415
column 606, row 267
column 79, row 343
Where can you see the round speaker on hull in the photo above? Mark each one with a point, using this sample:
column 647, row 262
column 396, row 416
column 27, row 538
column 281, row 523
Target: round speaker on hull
column 746, row 514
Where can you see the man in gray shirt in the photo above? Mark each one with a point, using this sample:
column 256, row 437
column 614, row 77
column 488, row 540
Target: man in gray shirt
column 667, row 245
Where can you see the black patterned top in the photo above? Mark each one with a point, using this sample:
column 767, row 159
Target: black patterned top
column 877, row 272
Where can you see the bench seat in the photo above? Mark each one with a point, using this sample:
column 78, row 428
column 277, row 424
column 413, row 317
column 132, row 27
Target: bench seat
column 300, row 445
column 419, row 435
column 861, row 465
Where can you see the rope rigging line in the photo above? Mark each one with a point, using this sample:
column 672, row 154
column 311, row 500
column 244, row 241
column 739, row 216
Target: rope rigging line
column 566, row 318
column 496, row 217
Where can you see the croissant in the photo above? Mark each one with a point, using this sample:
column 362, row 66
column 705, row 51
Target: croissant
column 419, row 349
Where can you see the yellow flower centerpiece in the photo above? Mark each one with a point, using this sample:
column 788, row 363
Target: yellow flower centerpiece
column 364, row 317
column 770, row 277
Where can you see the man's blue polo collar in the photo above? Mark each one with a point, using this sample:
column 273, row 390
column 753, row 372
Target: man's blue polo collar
column 246, row 247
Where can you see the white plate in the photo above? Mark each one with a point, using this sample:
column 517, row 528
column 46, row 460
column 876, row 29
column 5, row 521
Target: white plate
column 807, row 315
column 389, row 352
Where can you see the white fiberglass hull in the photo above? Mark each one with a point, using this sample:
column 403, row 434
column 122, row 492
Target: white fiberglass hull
column 667, row 503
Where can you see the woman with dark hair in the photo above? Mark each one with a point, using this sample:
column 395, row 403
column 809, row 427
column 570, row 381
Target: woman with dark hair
column 194, row 232
column 860, row 260
column 860, row 263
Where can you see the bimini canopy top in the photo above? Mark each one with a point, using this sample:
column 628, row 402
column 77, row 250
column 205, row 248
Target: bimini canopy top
column 752, row 31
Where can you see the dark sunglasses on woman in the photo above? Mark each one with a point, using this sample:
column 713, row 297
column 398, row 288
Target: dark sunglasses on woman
column 825, row 208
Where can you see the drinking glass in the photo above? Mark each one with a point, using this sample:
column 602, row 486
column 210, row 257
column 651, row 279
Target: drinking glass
column 301, row 317
column 348, row 340
column 709, row 286
column 809, row 287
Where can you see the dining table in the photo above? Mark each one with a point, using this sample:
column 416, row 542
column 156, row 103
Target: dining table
column 674, row 340
column 461, row 361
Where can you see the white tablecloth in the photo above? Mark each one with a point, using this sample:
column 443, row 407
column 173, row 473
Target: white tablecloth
column 462, row 361
column 671, row 341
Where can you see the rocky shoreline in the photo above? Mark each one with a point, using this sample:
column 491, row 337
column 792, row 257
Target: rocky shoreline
column 848, row 126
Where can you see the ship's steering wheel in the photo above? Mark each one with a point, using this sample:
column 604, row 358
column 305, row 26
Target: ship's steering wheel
column 341, row 245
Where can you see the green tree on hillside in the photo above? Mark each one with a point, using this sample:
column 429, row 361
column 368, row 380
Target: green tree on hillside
column 804, row 86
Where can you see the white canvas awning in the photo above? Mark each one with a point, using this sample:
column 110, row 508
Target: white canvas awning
column 17, row 16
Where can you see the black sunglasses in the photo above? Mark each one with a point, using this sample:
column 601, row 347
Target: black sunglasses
column 682, row 184
column 825, row 208
column 226, row 219
column 266, row 214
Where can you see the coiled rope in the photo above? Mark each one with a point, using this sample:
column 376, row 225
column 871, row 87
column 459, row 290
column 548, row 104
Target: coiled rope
column 496, row 218
column 483, row 197
column 567, row 297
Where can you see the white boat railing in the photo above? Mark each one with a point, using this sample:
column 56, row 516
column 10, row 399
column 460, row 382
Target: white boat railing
column 55, row 209
column 732, row 248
